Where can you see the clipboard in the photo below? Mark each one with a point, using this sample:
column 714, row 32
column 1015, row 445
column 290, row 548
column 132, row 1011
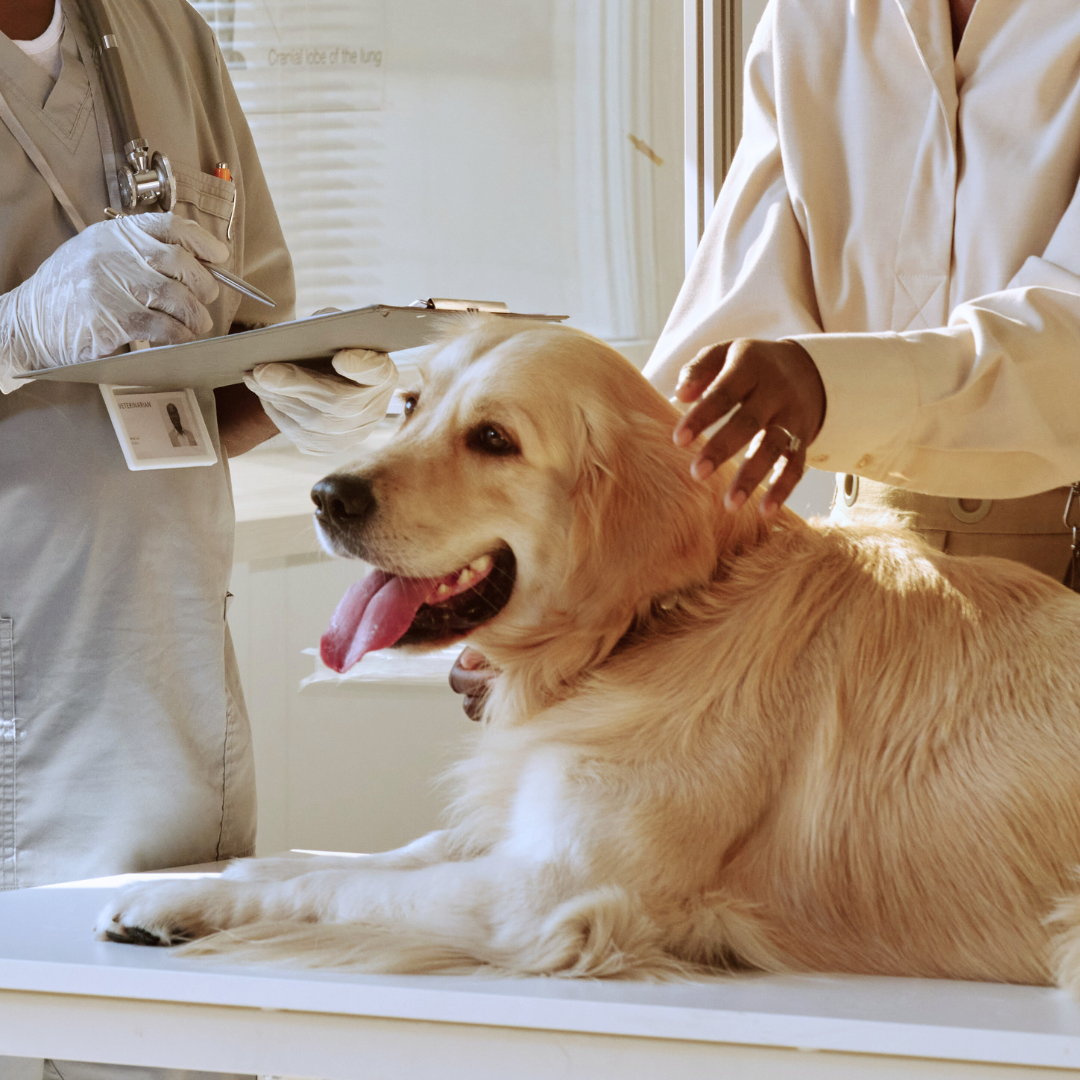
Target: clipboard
column 222, row 361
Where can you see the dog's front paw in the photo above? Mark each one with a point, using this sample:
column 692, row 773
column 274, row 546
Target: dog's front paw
column 168, row 912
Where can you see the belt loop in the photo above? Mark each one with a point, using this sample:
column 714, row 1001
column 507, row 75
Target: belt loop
column 970, row 517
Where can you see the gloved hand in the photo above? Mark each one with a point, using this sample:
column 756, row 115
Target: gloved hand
column 135, row 278
column 322, row 413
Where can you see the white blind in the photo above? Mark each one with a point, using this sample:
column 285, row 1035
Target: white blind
column 472, row 148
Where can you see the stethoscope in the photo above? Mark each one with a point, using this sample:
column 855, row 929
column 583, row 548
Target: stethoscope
column 145, row 178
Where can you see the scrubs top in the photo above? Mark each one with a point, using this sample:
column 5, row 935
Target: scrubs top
column 124, row 744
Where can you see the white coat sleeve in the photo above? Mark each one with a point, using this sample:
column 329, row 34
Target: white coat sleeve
column 751, row 276
column 987, row 407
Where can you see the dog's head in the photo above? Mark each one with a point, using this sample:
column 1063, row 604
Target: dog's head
column 532, row 494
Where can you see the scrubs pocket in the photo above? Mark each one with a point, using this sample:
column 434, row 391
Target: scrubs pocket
column 205, row 199
column 8, row 732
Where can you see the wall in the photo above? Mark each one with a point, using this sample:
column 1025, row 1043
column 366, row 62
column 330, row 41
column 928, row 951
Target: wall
column 752, row 11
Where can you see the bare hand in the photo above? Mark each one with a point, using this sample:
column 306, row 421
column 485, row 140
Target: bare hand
column 242, row 422
column 471, row 675
column 778, row 391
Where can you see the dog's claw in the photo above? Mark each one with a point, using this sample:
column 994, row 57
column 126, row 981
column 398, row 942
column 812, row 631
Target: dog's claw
column 134, row 935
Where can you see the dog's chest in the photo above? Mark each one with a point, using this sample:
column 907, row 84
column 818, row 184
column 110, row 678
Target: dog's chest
column 542, row 824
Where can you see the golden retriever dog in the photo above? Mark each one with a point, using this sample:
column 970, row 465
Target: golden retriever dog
column 714, row 741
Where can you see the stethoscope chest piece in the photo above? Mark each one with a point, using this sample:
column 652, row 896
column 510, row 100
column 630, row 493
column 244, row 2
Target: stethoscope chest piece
column 145, row 179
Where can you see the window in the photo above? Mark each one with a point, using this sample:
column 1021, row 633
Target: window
column 520, row 150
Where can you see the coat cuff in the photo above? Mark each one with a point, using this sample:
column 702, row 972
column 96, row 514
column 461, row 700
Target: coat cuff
column 874, row 387
column 871, row 396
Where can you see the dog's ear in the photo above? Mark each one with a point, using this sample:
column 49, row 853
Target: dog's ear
column 642, row 527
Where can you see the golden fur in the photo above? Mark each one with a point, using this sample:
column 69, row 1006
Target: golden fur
column 713, row 741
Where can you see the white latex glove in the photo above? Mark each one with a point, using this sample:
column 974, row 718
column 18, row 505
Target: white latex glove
column 321, row 413
column 135, row 278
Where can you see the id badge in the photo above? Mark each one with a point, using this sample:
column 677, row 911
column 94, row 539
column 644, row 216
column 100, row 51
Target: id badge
column 159, row 429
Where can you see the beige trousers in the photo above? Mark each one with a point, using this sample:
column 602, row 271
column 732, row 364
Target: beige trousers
column 1030, row 530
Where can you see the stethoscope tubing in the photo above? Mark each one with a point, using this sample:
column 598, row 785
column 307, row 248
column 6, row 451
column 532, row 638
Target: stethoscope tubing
column 112, row 68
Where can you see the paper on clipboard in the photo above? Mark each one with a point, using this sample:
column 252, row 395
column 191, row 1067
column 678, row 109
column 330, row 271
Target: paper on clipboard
column 222, row 361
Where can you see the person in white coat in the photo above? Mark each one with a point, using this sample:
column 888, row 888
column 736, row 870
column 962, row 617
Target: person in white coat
column 889, row 284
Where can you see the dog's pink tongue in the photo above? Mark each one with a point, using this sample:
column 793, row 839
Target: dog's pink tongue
column 372, row 615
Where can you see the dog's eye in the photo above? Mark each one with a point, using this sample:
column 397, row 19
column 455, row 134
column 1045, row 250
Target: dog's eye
column 409, row 404
column 490, row 439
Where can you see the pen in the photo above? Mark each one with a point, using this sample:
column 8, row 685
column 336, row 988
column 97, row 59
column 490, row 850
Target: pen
column 239, row 284
column 223, row 276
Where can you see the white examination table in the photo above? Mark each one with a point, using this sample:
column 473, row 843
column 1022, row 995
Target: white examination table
column 66, row 996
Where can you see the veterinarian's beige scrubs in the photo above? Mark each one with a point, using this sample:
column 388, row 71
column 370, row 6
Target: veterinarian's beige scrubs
column 124, row 744
column 913, row 220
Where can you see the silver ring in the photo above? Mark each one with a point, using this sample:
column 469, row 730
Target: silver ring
column 794, row 442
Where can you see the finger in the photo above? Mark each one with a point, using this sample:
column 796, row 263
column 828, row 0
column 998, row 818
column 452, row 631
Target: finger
column 471, row 659
column 474, row 706
column 696, row 375
column 174, row 229
column 155, row 327
column 177, row 300
column 757, row 465
column 365, row 367
column 731, row 387
column 470, row 681
column 784, row 484
column 330, row 395
column 459, row 678
column 727, row 442
column 180, row 265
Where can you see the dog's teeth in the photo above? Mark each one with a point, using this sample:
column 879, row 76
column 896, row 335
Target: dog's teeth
column 443, row 590
column 466, row 576
column 481, row 565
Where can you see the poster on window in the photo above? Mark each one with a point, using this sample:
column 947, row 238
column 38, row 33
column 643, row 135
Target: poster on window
column 295, row 56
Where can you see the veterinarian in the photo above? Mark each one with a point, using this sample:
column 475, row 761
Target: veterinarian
column 124, row 744
column 889, row 285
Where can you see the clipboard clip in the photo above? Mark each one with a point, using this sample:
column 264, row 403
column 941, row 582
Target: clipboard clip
column 442, row 303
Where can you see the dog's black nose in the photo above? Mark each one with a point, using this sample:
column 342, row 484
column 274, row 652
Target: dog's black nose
column 343, row 500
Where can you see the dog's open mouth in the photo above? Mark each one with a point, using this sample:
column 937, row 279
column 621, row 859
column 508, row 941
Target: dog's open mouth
column 384, row 609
